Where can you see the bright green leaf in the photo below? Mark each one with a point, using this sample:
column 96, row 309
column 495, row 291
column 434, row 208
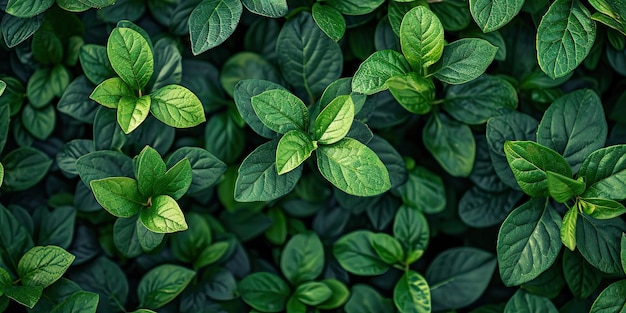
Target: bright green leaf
column 292, row 150
column 110, row 92
column 413, row 92
column 177, row 106
column 78, row 302
column 265, row 292
column 335, row 120
column 388, row 248
column 211, row 254
column 132, row 111
column 163, row 284
column 527, row 302
column 43, row 265
column 131, row 57
column 26, row 9
column 118, row 195
column 340, row 294
column 302, row 258
column 464, row 60
column 601, row 209
column 163, row 215
column 421, row 38
column 568, row 228
column 281, row 111
column 563, row 188
column 25, row 295
column 176, row 181
column 148, row 167
column 329, row 20
column 373, row 73
column 313, row 293
column 356, row 255
column 412, row 294
column 269, row 8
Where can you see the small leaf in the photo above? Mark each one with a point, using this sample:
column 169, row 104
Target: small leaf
column 42, row 266
column 132, row 111
column 118, row 195
column 464, row 60
column 568, row 228
column 281, row 111
column 148, row 167
column 265, row 292
column 411, row 229
column 95, row 63
column 211, row 254
column 176, row 181
column 563, row 188
column 491, row 15
column 335, row 120
column 373, row 73
column 212, row 22
column 339, row 294
column 163, row 284
column 353, row 168
column 163, row 216
column 313, row 293
column 602, row 209
column 355, row 7
column 131, row 57
column 16, row 30
column 564, row 37
column 527, row 302
column 292, row 150
column 110, row 92
column 388, row 248
column 177, row 106
column 421, row 38
column 413, row 92
column 356, row 255
column 412, row 294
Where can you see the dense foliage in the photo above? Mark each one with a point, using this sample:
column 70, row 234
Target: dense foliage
column 357, row 156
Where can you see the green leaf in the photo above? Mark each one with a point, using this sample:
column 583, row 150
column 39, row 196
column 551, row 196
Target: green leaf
column 79, row 302
column 601, row 209
column 568, row 228
column 355, row 7
column 292, row 150
column 176, row 181
column 265, row 292
column 365, row 299
column 46, row 46
column 131, row 57
column 623, row 252
column 353, row 168
column 110, row 92
column 611, row 299
column 581, row 278
column 473, row 103
column 604, row 171
column 277, row 233
column 373, row 73
column 303, row 258
column 39, row 122
column 25, row 295
column 334, row 121
column 413, row 92
column 244, row 91
column 103, row 164
column 42, row 266
column 24, row 167
column 313, row 293
column 206, row 169
column 356, row 255
column 246, row 65
column 76, row 103
column 281, row 111
column 163, row 216
column 423, row 191
column 149, row 168
column 527, row 302
column 421, row 38
column 388, row 248
column 451, row 143
column 120, row 196
column 1, row 174
column 464, row 60
column 530, row 161
column 339, row 294
column 212, row 254
column 564, row 37
column 125, row 237
column 177, row 106
column 95, row 63
column 329, row 20
column 271, row 8
column 26, row 9
column 47, row 83
column 454, row 14
column 479, row 208
column 106, row 278
column 132, row 111
column 308, row 59
column 163, row 284
column 493, row 14
column 212, row 22
column 258, row 179
column 412, row 294
column 16, row 30
column 563, row 188
column 411, row 229
column 519, row 259
column 459, row 276
column 574, row 126
column 168, row 66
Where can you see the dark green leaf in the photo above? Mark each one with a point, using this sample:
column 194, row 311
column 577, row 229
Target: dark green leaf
column 224, row 138
column 76, row 102
column 596, row 241
column 103, row 164
column 206, row 169
column 464, row 60
column 26, row 9
column 581, row 277
column 480, row 209
column 47, row 83
column 245, row 90
column 162, row 284
column 355, row 7
column 15, row 30
column 411, row 229
column 24, row 167
column 204, row 19
column 424, row 191
column 40, row 122
column 356, row 254
column 303, row 258
column 365, row 299
column 329, row 20
column 413, row 92
column 451, row 143
column 493, row 14
column 265, row 292
column 611, row 299
column 25, row 295
column 95, row 63
column 526, row 302
column 105, row 278
column 246, row 65
column 79, row 302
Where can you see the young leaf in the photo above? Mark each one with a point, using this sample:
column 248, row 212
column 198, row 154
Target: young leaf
column 204, row 20
column 25, row 295
column 493, row 14
column 149, row 168
column 611, row 299
column 329, row 20
column 176, row 181
column 271, row 8
column 564, row 37
column 355, row 254
column 563, row 188
column 163, row 216
column 42, row 266
column 131, row 57
column 265, row 292
column 281, row 111
column 110, row 92
column 313, row 293
column 530, row 162
column 303, row 258
column 574, row 126
column 132, row 111
column 411, row 229
column 411, row 293
column 1, row 174
column 568, row 228
column 335, row 120
column 373, row 73
column 353, row 168
column 177, row 106
column 421, row 38
column 120, row 196
column 464, row 60
column 459, row 276
column 258, row 179
column 292, row 150
column 519, row 259
column 451, row 143
column 162, row 284
column 604, row 171
column 413, row 92
column 602, row 209
column 388, row 248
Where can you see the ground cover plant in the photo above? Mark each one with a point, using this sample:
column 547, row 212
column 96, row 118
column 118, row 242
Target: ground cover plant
column 357, row 156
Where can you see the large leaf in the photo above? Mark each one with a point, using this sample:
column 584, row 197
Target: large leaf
column 421, row 38
column 162, row 284
column 105, row 278
column 493, row 14
column 564, row 37
column 581, row 277
column 574, row 126
column 604, row 172
column 412, row 294
column 131, row 57
column 14, row 240
column 373, row 73
column 308, row 59
column 451, row 143
column 42, row 266
column 464, row 60
column 212, row 22
column 302, row 258
column 611, row 299
column 355, row 7
column 329, row 20
column 596, row 241
column 520, row 256
column 15, row 30
column 479, row 208
column 353, row 168
column 527, row 302
column 365, row 299
column 177, row 106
